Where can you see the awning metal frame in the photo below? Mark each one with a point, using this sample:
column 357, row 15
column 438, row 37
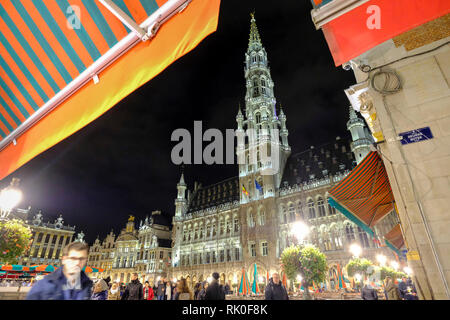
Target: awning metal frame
column 152, row 24
column 333, row 10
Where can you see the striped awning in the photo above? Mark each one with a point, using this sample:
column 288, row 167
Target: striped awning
column 394, row 238
column 365, row 195
column 63, row 63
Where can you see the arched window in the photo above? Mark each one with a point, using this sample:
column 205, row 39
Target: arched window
column 311, row 209
column 291, row 212
column 362, row 235
column 254, row 58
column 300, row 210
column 251, row 220
column 283, row 215
column 262, row 217
column 321, row 207
column 349, row 233
column 263, row 86
column 331, row 210
column 258, row 118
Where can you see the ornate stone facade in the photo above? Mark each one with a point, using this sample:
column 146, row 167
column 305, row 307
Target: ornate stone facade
column 145, row 250
column 48, row 240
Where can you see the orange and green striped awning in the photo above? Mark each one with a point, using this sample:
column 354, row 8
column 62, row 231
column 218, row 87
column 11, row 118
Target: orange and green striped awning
column 394, row 238
column 63, row 63
column 365, row 195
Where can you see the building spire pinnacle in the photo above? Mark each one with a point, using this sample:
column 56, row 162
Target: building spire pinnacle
column 254, row 34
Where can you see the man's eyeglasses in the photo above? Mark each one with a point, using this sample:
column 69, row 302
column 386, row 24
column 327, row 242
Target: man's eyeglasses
column 77, row 259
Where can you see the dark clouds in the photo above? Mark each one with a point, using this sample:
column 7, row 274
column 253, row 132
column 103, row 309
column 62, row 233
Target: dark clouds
column 120, row 164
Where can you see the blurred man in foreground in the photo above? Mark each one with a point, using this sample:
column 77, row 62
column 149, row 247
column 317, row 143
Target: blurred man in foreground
column 68, row 282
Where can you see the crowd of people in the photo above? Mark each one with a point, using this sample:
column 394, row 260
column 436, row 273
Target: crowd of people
column 405, row 290
column 71, row 283
column 15, row 283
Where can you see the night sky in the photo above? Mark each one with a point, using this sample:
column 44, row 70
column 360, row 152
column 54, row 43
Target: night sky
column 120, row 164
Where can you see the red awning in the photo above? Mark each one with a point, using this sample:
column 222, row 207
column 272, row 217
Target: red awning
column 348, row 35
column 395, row 237
column 365, row 195
column 65, row 63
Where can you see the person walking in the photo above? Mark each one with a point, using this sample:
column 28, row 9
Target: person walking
column 368, row 292
column 392, row 290
column 114, row 292
column 100, row 291
column 197, row 289
column 402, row 288
column 148, row 291
column 204, row 286
column 168, row 293
column 68, row 282
column 183, row 292
column 160, row 289
column 215, row 290
column 227, row 288
column 275, row 289
column 134, row 290
column 108, row 281
column 411, row 293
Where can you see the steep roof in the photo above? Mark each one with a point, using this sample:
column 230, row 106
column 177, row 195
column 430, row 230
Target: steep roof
column 215, row 194
column 318, row 162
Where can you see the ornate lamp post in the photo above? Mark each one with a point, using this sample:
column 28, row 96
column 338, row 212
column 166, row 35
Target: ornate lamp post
column 394, row 265
column 300, row 231
column 356, row 250
column 9, row 198
column 381, row 259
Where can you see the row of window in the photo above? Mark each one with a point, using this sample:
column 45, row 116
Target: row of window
column 288, row 214
column 264, row 249
column 211, row 231
column 210, row 257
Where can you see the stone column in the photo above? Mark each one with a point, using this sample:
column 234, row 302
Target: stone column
column 56, row 247
column 41, row 246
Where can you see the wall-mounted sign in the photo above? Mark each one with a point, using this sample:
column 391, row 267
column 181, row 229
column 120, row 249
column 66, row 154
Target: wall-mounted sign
column 413, row 255
column 416, row 135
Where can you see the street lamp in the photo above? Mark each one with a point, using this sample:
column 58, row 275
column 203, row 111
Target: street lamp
column 9, row 198
column 356, row 250
column 300, row 231
column 358, row 277
column 299, row 278
column 381, row 259
column 209, row 279
column 407, row 270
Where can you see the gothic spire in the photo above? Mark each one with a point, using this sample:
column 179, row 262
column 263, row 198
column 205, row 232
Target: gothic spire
column 352, row 113
column 254, row 34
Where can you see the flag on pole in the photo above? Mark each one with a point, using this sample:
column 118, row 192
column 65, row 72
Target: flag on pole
column 255, row 288
column 258, row 186
column 267, row 277
column 244, row 191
